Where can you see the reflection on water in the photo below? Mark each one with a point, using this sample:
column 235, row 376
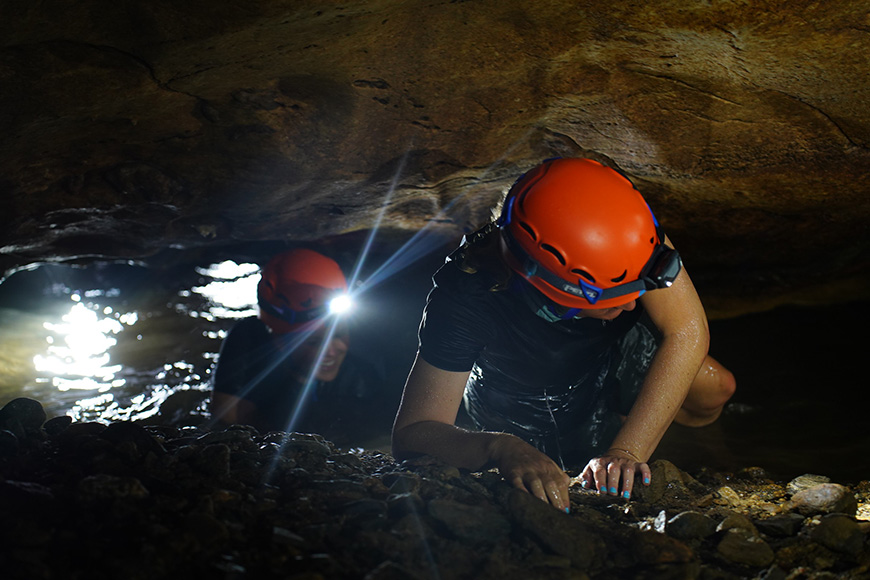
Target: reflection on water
column 78, row 353
column 97, row 352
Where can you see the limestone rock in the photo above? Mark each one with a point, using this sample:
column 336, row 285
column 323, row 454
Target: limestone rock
column 210, row 126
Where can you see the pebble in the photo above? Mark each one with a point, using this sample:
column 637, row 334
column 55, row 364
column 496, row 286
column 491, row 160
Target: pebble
column 781, row 526
column 839, row 533
column 805, row 481
column 690, row 525
column 741, row 547
column 824, row 498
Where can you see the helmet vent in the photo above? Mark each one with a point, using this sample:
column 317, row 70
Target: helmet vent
column 530, row 231
column 555, row 252
column 585, row 274
column 621, row 277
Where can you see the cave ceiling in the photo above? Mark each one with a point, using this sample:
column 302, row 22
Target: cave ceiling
column 133, row 127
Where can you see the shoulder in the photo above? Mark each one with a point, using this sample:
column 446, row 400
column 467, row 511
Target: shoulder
column 245, row 335
column 251, row 328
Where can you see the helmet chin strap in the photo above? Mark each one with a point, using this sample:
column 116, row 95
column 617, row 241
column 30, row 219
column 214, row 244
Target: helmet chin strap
column 539, row 303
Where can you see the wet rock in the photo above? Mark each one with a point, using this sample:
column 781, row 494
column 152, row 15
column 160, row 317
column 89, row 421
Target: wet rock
column 401, row 504
column 234, row 503
column 213, row 460
column 726, row 496
column 824, row 498
column 781, row 526
column 741, row 547
column 667, row 483
column 391, row 571
column 476, row 524
column 805, row 481
column 558, row 532
column 839, row 533
column 23, row 417
column 651, row 548
column 57, row 425
column 735, row 521
column 690, row 525
column 9, row 444
column 103, row 487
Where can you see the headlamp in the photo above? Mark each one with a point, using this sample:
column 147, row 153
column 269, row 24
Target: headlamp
column 341, row 304
column 338, row 305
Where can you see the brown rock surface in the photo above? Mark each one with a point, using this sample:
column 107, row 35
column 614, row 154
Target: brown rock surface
column 130, row 128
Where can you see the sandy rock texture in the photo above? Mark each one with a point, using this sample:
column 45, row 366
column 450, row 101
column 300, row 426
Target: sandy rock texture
column 131, row 128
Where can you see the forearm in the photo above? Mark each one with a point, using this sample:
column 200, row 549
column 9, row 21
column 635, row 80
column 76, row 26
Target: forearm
column 472, row 450
column 664, row 389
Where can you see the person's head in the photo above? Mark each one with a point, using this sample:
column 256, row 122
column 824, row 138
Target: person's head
column 295, row 289
column 583, row 236
column 294, row 295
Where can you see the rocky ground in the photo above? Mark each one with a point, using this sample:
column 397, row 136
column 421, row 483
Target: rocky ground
column 87, row 500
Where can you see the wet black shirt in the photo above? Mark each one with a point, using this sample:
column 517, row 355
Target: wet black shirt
column 345, row 410
column 547, row 382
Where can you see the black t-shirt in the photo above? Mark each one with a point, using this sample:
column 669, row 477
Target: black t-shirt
column 346, row 410
column 551, row 383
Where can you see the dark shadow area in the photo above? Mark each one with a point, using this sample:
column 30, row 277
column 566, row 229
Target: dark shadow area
column 799, row 406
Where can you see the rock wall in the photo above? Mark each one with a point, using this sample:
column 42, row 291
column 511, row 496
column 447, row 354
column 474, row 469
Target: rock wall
column 131, row 128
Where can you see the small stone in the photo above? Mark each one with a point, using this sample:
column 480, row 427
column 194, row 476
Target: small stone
column 781, row 526
column 825, row 498
column 737, row 521
column 740, row 547
column 690, row 525
column 728, row 497
column 805, row 481
column 840, row 533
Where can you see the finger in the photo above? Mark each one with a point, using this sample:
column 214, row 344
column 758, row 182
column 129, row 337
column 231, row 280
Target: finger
column 614, row 471
column 555, row 496
column 566, row 499
column 627, row 481
column 600, row 479
column 646, row 473
column 537, row 489
column 587, row 478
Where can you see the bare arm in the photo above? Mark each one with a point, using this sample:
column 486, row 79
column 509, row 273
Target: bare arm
column 425, row 426
column 228, row 409
column 679, row 315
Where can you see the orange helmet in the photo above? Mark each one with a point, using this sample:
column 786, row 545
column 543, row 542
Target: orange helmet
column 582, row 235
column 295, row 288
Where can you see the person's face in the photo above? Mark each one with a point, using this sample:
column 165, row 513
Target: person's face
column 305, row 355
column 608, row 313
